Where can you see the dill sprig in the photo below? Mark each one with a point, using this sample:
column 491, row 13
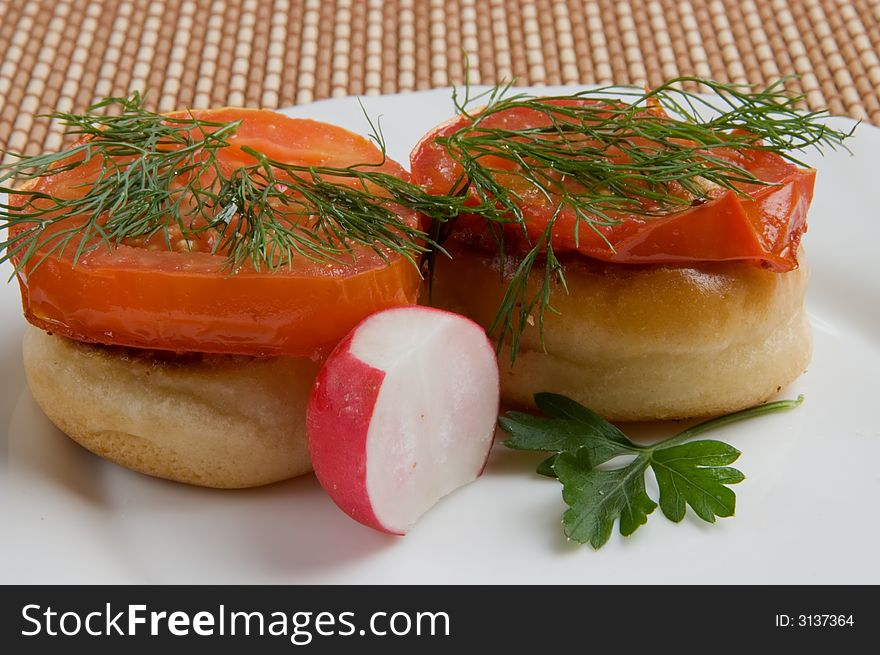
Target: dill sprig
column 273, row 211
column 159, row 175
column 624, row 151
column 140, row 157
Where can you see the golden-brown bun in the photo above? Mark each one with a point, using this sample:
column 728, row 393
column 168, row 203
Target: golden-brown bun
column 647, row 342
column 209, row 420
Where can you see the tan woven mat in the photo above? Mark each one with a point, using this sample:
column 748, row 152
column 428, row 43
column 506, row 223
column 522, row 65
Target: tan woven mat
column 66, row 53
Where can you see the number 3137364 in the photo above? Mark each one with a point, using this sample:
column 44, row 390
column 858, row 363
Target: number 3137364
column 815, row 620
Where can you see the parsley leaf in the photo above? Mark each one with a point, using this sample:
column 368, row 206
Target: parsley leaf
column 597, row 498
column 695, row 473
column 546, row 466
column 570, row 426
column 598, row 494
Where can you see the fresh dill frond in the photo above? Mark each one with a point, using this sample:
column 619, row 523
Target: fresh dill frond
column 143, row 169
column 596, row 156
column 603, row 154
column 146, row 174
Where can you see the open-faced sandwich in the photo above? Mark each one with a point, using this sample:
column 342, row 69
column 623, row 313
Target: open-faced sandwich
column 646, row 262
column 184, row 276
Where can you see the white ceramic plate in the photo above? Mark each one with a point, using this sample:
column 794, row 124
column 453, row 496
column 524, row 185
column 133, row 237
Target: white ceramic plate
column 806, row 513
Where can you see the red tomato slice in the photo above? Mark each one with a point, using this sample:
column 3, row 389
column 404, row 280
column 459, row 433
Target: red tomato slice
column 145, row 296
column 763, row 229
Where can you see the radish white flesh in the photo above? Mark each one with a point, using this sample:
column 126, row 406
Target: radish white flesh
column 402, row 413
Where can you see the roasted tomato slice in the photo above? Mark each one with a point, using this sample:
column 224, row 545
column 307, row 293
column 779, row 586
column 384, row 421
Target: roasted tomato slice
column 762, row 227
column 143, row 294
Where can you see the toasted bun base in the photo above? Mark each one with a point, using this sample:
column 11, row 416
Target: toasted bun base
column 645, row 343
column 213, row 421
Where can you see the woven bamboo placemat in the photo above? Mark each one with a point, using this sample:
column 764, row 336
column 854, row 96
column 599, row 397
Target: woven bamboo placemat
column 65, row 54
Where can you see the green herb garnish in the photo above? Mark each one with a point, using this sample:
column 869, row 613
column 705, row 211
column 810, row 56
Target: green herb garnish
column 688, row 473
column 160, row 175
column 153, row 174
column 626, row 151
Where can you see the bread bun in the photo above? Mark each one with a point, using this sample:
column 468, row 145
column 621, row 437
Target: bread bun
column 209, row 420
column 645, row 342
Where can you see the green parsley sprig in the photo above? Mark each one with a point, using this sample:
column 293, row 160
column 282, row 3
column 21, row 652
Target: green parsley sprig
column 693, row 474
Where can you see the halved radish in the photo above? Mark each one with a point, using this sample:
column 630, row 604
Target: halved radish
column 402, row 413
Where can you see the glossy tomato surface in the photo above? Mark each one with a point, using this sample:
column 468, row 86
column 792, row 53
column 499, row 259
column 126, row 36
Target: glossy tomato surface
column 762, row 227
column 143, row 294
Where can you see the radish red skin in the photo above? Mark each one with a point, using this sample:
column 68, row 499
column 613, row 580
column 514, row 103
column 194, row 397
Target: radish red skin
column 371, row 420
column 337, row 440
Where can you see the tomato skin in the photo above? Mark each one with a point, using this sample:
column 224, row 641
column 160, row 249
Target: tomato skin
column 763, row 229
column 190, row 302
column 248, row 313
